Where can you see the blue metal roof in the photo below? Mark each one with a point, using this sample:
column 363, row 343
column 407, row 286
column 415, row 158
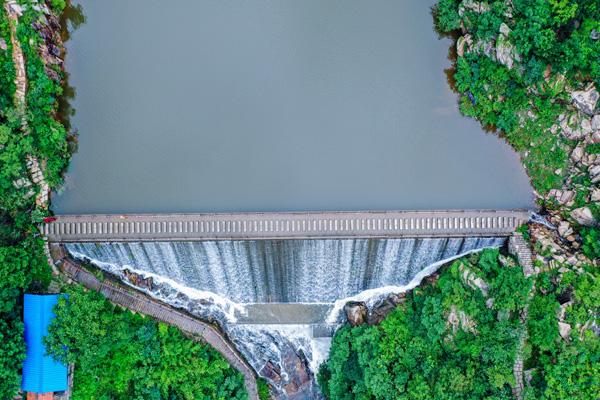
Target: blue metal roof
column 41, row 374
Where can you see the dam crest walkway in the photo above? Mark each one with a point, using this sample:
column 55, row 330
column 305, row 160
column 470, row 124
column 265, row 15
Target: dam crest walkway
column 283, row 225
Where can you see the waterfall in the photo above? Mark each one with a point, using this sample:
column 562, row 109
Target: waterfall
column 239, row 284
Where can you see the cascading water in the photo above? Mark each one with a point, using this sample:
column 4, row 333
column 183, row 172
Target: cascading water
column 238, row 284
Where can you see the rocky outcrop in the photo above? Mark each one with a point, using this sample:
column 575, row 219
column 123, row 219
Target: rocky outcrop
column 506, row 52
column 575, row 126
column 458, row 319
column 475, row 6
column 472, row 280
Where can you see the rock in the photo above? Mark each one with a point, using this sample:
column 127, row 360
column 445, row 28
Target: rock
column 472, row 280
column 596, row 137
column 564, row 229
column 585, row 100
column 459, row 319
column 583, row 216
column 575, row 126
column 15, row 8
column 577, row 154
column 595, row 197
column 476, row 6
column 382, row 310
column 484, row 47
column 596, row 122
column 462, row 44
column 595, row 173
column 594, row 34
column 564, row 330
column 563, row 197
column 21, row 183
column 506, row 53
column 3, row 44
column 271, row 371
column 356, row 312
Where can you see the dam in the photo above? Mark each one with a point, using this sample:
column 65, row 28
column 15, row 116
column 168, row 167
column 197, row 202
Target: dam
column 275, row 283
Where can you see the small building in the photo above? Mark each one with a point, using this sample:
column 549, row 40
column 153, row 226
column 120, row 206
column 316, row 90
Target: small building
column 42, row 375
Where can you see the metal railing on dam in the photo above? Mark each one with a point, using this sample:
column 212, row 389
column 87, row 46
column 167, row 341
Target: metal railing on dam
column 282, row 225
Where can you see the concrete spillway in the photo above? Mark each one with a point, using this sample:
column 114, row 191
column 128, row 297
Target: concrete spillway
column 278, row 301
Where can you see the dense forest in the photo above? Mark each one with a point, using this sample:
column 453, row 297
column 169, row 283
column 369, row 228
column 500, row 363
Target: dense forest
column 26, row 130
column 529, row 70
column 122, row 355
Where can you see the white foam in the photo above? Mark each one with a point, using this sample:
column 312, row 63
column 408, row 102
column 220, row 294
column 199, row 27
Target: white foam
column 372, row 296
column 228, row 307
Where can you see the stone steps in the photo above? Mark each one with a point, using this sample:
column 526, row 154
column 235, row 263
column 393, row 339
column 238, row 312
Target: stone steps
column 518, row 247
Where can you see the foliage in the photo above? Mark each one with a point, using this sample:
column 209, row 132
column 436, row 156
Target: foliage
column 121, row 355
column 12, row 354
column 23, row 265
column 58, row 5
column 542, row 326
column 446, row 13
column 591, row 242
column 263, row 389
column 417, row 353
column 565, row 368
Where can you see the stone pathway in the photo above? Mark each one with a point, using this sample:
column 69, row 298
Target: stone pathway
column 140, row 303
column 14, row 11
column 518, row 247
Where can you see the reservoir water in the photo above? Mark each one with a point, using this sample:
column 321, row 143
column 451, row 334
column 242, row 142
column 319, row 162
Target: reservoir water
column 267, row 105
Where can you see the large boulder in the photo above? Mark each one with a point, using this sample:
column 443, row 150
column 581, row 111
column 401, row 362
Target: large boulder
column 583, row 216
column 356, row 312
column 585, row 100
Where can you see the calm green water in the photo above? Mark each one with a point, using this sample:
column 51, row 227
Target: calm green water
column 231, row 105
